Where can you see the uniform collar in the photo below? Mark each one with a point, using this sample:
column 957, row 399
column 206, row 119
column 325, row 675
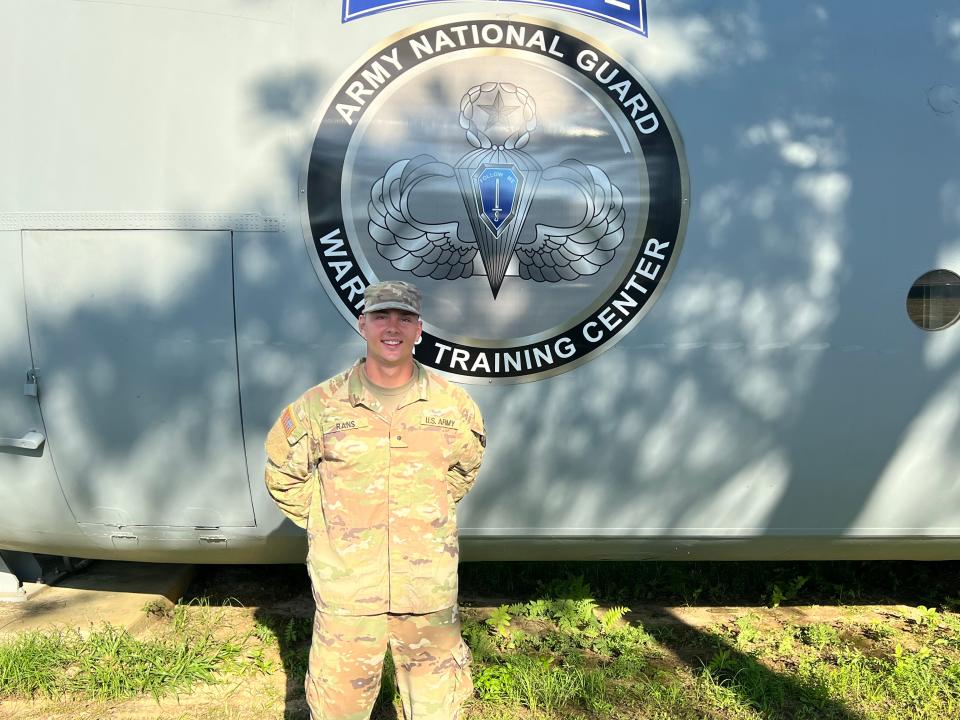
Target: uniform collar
column 359, row 395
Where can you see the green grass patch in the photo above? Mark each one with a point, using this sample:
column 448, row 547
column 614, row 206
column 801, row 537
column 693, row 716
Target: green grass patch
column 291, row 637
column 111, row 664
column 560, row 643
column 559, row 655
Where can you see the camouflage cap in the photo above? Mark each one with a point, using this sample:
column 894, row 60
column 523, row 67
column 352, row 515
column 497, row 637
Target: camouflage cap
column 391, row 295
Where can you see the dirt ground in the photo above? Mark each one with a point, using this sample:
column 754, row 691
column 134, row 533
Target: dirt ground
column 246, row 594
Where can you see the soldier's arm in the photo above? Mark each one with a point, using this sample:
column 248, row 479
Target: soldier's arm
column 289, row 472
column 463, row 473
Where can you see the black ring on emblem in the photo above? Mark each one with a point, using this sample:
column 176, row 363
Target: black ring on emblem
column 666, row 214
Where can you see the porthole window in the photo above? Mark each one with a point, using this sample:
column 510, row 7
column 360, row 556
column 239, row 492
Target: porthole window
column 933, row 302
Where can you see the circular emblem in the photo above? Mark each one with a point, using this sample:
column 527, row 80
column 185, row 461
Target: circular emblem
column 529, row 182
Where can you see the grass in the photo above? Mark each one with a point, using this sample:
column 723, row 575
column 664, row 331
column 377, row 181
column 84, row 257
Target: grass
column 559, row 655
column 291, row 637
column 110, row 664
column 559, row 642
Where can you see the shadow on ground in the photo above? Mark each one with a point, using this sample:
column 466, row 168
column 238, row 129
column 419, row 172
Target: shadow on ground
column 282, row 601
column 772, row 695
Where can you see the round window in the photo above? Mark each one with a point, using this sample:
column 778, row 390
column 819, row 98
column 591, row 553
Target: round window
column 933, row 302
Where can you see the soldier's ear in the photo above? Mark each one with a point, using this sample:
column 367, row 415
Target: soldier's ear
column 362, row 325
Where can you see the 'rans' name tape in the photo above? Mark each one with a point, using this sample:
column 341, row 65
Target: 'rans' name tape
column 628, row 14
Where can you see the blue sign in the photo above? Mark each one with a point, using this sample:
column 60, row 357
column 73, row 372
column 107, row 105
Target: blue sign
column 497, row 193
column 629, row 14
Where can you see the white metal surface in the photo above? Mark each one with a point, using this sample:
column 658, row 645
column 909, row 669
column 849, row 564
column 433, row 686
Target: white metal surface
column 776, row 395
column 31, row 496
column 140, row 393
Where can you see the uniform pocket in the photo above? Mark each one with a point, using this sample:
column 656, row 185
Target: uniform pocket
column 346, row 439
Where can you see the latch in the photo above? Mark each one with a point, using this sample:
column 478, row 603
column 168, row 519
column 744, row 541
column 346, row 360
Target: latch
column 211, row 535
column 31, row 387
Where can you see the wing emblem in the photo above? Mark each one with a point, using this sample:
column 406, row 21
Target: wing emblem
column 498, row 182
column 424, row 249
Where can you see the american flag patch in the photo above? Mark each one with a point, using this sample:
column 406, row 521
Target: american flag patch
column 287, row 421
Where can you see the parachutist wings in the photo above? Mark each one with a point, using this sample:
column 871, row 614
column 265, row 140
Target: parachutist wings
column 426, row 249
column 566, row 253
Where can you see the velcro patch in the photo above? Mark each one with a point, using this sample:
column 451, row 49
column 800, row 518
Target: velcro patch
column 344, row 425
column 291, row 426
column 438, row 421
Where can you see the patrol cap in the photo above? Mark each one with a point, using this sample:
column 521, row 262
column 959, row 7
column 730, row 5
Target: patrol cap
column 392, row 295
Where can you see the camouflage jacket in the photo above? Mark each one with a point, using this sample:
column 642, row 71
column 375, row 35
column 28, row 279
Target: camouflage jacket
column 376, row 496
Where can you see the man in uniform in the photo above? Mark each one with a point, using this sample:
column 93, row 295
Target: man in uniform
column 372, row 462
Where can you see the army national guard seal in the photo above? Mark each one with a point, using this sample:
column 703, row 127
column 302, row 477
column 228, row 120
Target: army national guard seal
column 530, row 182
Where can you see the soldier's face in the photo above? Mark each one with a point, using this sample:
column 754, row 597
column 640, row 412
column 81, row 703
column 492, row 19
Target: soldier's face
column 390, row 336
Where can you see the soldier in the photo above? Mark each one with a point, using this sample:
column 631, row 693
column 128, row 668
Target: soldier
column 372, row 463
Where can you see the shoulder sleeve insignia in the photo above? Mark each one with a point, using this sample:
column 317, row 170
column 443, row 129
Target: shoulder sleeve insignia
column 291, row 426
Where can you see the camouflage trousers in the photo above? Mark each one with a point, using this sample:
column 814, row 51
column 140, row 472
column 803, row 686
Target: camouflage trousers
column 346, row 663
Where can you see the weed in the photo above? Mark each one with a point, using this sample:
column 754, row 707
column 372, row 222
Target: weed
column 748, row 631
column 569, row 588
column 297, row 629
column 540, row 685
column 819, row 635
column 537, row 609
column 786, row 642
column 594, row 693
column 264, row 633
column 478, row 639
column 627, row 665
column 156, row 607
column 492, row 683
column 259, row 662
column 517, row 609
column 555, row 672
column 928, row 617
column 520, row 640
column 788, row 591
column 720, row 663
column 612, row 618
column 499, row 620
column 878, row 631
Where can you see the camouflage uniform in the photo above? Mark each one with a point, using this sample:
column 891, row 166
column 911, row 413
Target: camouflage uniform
column 376, row 496
column 346, row 661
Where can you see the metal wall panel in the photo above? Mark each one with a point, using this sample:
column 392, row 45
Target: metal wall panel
column 30, row 496
column 133, row 334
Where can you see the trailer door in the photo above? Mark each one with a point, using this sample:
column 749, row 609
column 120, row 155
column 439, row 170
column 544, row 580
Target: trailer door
column 134, row 339
column 30, row 497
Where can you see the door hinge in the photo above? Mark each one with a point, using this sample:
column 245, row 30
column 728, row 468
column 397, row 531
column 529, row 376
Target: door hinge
column 31, row 388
